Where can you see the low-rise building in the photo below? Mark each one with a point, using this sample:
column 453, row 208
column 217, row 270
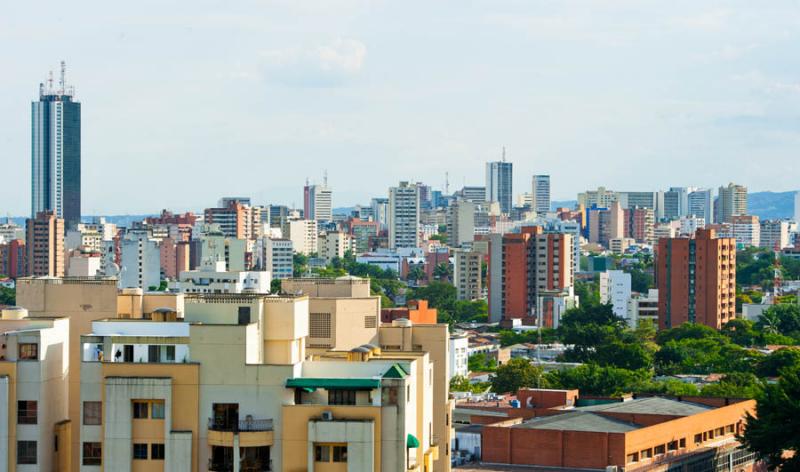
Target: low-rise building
column 212, row 277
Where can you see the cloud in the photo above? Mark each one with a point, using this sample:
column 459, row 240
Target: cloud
column 325, row 65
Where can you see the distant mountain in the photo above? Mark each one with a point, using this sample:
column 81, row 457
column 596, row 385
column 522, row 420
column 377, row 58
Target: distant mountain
column 771, row 205
column 343, row 210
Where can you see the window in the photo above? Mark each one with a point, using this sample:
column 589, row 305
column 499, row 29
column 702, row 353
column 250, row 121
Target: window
column 341, row 397
column 719, row 432
column 157, row 410
column 170, row 353
column 140, row 451
column 127, row 355
column 698, row 438
column 632, row 458
column 140, row 410
column 157, row 452
column 26, row 452
column 339, row 453
column 92, row 453
column 646, row 454
column 672, row 446
column 154, row 353
column 682, row 443
column 92, row 413
column 28, row 351
column 659, row 450
column 730, row 429
column 244, row 315
column 26, row 412
column 330, row 452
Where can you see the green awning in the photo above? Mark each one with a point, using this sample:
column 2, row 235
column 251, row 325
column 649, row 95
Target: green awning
column 342, row 384
column 412, row 441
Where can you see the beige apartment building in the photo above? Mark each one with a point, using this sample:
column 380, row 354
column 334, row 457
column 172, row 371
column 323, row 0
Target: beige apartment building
column 137, row 381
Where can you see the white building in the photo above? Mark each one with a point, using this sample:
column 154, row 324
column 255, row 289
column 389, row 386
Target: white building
column 303, row 234
column 333, row 244
column 746, row 230
column 404, row 216
column 615, row 288
column 141, row 262
column 459, row 357
column 690, row 224
column 9, row 232
column 278, row 257
column 320, row 206
column 212, row 277
column 774, row 234
column 84, row 266
column 541, row 194
column 216, row 246
column 701, row 204
column 643, row 307
column 461, row 222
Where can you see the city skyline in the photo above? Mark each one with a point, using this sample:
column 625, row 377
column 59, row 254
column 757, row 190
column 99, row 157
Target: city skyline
column 720, row 107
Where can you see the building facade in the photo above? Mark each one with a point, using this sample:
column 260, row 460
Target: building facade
column 404, row 216
column 540, row 194
column 499, row 188
column 45, row 245
column 696, row 280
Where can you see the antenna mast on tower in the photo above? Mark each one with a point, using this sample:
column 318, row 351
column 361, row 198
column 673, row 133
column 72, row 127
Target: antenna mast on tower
column 504, row 153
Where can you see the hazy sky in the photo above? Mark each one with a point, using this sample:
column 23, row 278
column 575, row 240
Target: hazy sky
column 184, row 102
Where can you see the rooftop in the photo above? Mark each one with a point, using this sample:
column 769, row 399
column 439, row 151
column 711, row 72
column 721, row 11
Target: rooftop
column 650, row 406
column 579, row 421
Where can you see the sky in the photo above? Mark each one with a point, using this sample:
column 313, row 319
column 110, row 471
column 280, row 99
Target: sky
column 185, row 102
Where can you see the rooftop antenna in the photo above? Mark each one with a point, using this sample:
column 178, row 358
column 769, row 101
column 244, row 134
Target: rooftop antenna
column 62, row 81
column 447, row 183
column 325, row 178
column 504, row 153
column 50, row 82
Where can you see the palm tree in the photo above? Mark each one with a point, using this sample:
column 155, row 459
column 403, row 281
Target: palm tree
column 443, row 270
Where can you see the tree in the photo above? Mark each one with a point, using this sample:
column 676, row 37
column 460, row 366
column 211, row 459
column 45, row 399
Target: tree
column 443, row 271
column 773, row 364
column 742, row 332
column 775, row 428
column 781, row 319
column 733, row 385
column 7, row 296
column 481, row 363
column 587, row 327
column 597, row 380
column 641, row 281
column 416, row 274
column 515, row 374
column 275, row 286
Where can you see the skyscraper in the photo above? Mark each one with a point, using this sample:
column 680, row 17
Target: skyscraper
column 319, row 203
column 403, row 216
column 498, row 183
column 541, row 193
column 700, row 204
column 56, row 152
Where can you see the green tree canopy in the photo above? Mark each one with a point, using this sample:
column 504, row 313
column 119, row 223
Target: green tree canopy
column 515, row 374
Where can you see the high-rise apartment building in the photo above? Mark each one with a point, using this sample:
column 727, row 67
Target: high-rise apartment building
column 234, row 218
column 601, row 197
column 304, row 234
column 540, row 194
column 461, row 222
column 467, row 274
column 278, row 257
column 746, row 230
column 534, row 265
column 606, row 224
column 696, row 280
column 141, row 262
column 639, row 224
column 13, row 258
column 404, row 216
column 45, row 244
column 615, row 289
column 56, row 152
column 731, row 201
column 676, row 203
column 380, row 211
column 499, row 177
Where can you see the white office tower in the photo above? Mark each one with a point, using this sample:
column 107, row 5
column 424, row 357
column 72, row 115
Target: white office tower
column 380, row 211
column 541, row 194
column 701, row 204
column 320, row 201
column 499, row 183
column 615, row 288
column 404, row 214
column 278, row 259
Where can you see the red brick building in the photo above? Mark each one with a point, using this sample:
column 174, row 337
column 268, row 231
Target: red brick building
column 696, row 280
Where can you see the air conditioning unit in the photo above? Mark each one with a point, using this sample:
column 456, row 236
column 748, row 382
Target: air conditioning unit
column 327, row 416
column 611, row 468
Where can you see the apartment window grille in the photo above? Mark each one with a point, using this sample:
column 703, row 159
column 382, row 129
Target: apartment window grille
column 157, row 410
column 140, row 451
column 341, row 397
column 27, row 412
column 140, row 410
column 157, row 452
column 26, row 452
column 92, row 453
column 92, row 413
column 28, row 351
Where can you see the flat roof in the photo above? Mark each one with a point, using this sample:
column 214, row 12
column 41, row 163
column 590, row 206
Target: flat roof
column 328, row 383
column 579, row 421
column 650, row 406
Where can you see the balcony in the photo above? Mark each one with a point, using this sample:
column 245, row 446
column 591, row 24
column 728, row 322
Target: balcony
column 248, row 424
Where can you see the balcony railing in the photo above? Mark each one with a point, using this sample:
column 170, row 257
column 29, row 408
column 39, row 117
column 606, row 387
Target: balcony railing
column 244, row 466
column 220, row 466
column 246, row 425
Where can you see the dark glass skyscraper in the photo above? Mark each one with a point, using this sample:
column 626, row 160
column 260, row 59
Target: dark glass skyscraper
column 56, row 152
column 498, row 183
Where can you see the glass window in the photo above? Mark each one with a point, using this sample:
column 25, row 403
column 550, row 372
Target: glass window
column 154, row 353
column 157, row 452
column 339, row 453
column 140, row 410
column 157, row 412
column 658, row 450
column 92, row 453
column 26, row 452
column 322, row 453
column 140, row 451
column 170, row 353
column 341, row 397
column 27, row 412
column 28, row 351
column 92, row 413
